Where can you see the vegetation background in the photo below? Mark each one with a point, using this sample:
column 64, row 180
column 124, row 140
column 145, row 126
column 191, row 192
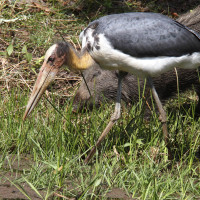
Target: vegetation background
column 42, row 157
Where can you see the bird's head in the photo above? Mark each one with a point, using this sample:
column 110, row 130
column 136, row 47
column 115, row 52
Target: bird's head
column 56, row 56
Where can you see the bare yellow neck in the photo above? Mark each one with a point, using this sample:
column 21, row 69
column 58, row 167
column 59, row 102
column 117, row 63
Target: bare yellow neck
column 81, row 62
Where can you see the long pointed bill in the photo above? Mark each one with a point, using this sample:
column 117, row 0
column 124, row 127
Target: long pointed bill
column 45, row 77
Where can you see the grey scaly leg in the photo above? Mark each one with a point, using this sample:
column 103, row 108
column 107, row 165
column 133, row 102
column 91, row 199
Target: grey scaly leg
column 163, row 116
column 115, row 116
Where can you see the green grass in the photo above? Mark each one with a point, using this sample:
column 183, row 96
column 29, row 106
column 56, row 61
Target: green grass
column 133, row 157
column 57, row 145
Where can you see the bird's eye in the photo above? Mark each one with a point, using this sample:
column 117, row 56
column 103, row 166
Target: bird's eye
column 51, row 59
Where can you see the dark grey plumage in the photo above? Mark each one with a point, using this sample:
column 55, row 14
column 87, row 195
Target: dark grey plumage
column 146, row 35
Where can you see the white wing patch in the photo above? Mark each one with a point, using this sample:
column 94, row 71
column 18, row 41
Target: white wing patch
column 81, row 35
column 86, row 37
column 113, row 59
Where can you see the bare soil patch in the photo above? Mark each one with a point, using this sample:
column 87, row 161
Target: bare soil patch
column 9, row 190
column 12, row 170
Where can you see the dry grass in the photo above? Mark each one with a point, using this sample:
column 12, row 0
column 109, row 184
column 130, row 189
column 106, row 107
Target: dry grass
column 36, row 31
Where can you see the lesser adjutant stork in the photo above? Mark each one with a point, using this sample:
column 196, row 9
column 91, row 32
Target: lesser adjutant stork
column 145, row 44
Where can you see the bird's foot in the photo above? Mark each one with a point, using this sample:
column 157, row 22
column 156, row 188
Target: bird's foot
column 116, row 115
column 162, row 120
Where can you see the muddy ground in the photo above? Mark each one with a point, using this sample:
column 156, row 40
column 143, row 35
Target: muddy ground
column 10, row 190
column 12, row 171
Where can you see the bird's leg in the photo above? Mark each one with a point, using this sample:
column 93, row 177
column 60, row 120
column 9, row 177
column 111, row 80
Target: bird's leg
column 115, row 116
column 162, row 115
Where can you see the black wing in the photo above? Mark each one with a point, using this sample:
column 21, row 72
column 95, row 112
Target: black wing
column 147, row 34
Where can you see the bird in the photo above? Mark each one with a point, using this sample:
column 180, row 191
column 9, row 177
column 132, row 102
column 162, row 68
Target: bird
column 141, row 43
